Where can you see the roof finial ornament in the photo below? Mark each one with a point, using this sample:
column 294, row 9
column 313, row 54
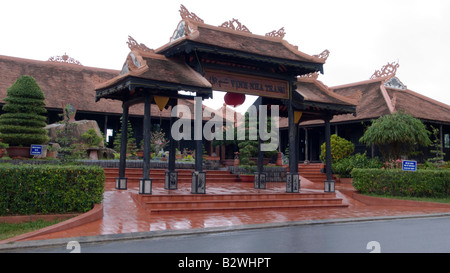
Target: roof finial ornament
column 324, row 55
column 134, row 45
column 185, row 14
column 312, row 75
column 64, row 59
column 388, row 70
column 280, row 33
column 235, row 25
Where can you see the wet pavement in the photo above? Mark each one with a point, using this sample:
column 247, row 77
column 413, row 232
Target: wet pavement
column 121, row 214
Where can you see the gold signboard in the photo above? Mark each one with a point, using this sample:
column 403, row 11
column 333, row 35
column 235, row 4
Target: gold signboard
column 247, row 84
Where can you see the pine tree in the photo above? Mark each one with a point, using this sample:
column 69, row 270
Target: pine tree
column 131, row 140
column 23, row 120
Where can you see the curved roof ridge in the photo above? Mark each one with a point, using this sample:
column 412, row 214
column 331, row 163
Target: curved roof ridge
column 191, row 31
column 409, row 91
column 348, row 100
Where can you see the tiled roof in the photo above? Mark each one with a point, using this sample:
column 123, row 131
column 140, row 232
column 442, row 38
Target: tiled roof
column 60, row 82
column 236, row 40
column 158, row 68
column 315, row 91
column 377, row 99
column 63, row 82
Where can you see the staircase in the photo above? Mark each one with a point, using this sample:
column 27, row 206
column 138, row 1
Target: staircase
column 312, row 172
column 245, row 199
column 170, row 204
column 158, row 175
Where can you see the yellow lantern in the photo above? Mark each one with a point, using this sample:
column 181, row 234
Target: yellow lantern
column 161, row 102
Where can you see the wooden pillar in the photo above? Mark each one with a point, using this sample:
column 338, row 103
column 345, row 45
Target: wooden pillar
column 306, row 147
column 145, row 184
column 121, row 181
column 292, row 177
column 329, row 182
column 171, row 178
column 105, row 127
column 260, row 175
column 198, row 176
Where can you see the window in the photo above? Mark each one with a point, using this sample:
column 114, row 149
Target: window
column 447, row 141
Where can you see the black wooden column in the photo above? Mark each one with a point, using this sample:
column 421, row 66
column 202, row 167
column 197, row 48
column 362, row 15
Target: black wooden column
column 145, row 184
column 329, row 183
column 292, row 178
column 121, row 181
column 306, row 147
column 171, row 178
column 198, row 176
column 260, row 175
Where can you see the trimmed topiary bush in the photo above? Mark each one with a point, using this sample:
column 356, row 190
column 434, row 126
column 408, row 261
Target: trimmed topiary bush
column 23, row 120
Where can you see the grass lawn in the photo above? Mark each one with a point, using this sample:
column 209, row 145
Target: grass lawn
column 10, row 230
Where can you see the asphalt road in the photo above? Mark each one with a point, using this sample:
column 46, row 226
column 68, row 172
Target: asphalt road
column 408, row 235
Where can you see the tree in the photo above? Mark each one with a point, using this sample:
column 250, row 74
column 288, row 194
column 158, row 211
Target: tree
column 436, row 149
column 23, row 120
column 396, row 134
column 131, row 141
column 250, row 148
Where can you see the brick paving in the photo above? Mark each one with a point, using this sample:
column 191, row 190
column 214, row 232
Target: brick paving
column 121, row 214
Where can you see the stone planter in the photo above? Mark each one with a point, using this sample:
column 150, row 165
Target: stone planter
column 93, row 153
column 19, row 152
column 247, row 177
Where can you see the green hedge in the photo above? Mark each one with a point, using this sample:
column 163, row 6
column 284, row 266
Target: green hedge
column 41, row 189
column 395, row 182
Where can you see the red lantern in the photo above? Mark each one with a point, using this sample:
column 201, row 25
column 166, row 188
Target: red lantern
column 234, row 99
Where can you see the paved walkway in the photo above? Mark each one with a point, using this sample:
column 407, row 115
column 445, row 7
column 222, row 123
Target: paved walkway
column 122, row 215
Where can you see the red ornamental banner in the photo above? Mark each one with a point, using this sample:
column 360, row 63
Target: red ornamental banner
column 247, row 84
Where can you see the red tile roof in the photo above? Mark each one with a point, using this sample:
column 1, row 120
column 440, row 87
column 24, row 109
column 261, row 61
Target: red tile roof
column 64, row 82
column 314, row 90
column 377, row 99
column 157, row 67
column 243, row 41
column 60, row 82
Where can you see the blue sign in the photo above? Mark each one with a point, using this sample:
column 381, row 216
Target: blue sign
column 36, row 150
column 409, row 165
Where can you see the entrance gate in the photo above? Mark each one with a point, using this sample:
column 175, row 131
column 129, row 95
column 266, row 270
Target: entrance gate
column 201, row 58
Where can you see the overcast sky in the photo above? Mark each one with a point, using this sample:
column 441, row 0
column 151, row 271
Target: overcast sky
column 362, row 36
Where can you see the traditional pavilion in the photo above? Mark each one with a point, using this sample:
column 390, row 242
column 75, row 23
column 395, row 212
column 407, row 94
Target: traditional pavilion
column 200, row 58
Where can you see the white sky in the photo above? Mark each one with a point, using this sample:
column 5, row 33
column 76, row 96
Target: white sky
column 362, row 36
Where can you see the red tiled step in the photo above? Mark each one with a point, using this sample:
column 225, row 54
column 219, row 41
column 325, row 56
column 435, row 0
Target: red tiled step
column 196, row 203
column 158, row 175
column 312, row 172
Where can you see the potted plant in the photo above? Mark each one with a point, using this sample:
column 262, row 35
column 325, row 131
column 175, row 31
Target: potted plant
column 246, row 149
column 246, row 173
column 158, row 141
column 22, row 122
column 92, row 142
column 52, row 150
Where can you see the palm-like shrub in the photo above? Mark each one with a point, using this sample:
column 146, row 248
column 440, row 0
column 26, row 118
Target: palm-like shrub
column 23, row 120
